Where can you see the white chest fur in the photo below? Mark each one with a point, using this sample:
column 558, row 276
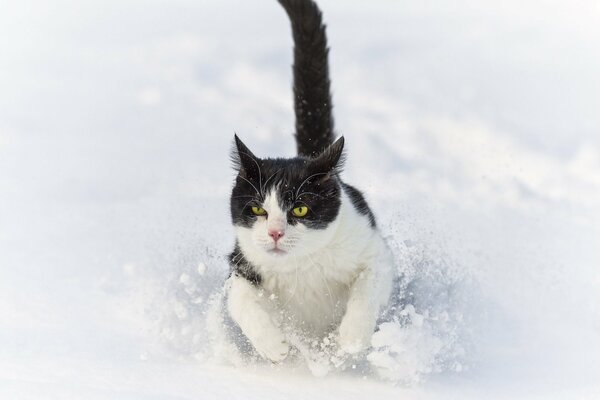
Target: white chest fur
column 311, row 290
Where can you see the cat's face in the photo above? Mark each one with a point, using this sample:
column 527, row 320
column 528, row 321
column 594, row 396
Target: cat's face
column 285, row 207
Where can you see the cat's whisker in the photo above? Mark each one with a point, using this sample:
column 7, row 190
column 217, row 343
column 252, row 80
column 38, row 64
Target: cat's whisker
column 311, row 193
column 312, row 176
column 295, row 285
column 240, row 254
column 248, row 203
column 275, row 173
column 238, row 261
column 251, row 184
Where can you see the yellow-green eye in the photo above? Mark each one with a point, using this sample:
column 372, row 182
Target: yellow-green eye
column 258, row 211
column 300, row 211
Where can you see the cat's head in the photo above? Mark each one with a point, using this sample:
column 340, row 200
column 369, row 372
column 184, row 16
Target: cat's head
column 285, row 207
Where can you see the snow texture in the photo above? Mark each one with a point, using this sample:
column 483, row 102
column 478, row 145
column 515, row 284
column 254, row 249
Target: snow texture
column 472, row 127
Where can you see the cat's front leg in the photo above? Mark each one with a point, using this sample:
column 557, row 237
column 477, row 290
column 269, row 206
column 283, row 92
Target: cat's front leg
column 249, row 310
column 368, row 293
column 359, row 320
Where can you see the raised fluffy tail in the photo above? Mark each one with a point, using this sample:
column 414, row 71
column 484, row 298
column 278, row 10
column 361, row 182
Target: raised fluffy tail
column 312, row 98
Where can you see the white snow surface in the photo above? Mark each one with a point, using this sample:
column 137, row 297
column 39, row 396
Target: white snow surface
column 472, row 127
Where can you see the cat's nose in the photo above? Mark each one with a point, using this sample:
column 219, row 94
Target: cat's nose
column 275, row 234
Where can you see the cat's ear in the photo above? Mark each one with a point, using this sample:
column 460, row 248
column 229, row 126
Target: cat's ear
column 242, row 158
column 331, row 159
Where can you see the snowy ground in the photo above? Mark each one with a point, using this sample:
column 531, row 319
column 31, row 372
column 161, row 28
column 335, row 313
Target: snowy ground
column 473, row 127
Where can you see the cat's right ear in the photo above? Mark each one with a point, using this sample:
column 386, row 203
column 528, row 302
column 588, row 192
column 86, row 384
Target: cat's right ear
column 242, row 158
column 331, row 159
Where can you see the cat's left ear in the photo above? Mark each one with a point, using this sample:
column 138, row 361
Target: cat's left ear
column 331, row 159
column 243, row 160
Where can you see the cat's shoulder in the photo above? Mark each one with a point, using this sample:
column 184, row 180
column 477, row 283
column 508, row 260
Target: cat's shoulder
column 359, row 202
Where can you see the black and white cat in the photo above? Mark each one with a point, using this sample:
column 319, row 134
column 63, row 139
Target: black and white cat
column 308, row 255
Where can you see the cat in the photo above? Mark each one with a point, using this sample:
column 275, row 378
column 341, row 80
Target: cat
column 308, row 255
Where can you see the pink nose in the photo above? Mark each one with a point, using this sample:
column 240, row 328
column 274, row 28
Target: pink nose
column 275, row 234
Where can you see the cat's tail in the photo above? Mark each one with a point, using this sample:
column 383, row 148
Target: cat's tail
column 312, row 98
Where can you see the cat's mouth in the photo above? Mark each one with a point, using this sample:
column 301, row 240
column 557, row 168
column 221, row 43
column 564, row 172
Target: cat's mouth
column 277, row 251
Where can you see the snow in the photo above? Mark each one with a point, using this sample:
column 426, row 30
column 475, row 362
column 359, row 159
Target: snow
column 472, row 127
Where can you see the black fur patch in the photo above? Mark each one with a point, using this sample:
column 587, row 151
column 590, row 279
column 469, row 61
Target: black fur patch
column 242, row 267
column 359, row 202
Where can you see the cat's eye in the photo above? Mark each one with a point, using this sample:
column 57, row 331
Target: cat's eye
column 300, row 211
column 258, row 211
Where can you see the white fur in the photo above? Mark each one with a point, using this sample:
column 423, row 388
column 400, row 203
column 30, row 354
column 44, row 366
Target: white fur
column 329, row 280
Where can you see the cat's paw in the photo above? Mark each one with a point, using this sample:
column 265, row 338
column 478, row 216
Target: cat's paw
column 272, row 346
column 354, row 335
